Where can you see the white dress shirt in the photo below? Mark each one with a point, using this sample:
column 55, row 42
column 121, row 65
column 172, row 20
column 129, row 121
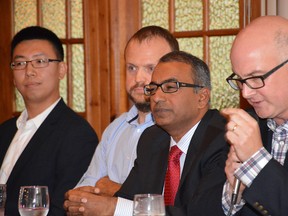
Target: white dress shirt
column 26, row 130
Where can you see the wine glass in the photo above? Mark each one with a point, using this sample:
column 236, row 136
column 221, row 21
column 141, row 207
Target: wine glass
column 33, row 201
column 2, row 198
column 148, row 205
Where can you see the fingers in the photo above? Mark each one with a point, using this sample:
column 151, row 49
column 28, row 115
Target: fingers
column 242, row 133
column 74, row 200
column 107, row 187
column 232, row 164
column 74, row 203
column 232, row 155
column 239, row 117
column 88, row 189
column 73, row 207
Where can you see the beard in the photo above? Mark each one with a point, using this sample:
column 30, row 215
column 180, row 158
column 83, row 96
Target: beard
column 143, row 104
column 143, row 107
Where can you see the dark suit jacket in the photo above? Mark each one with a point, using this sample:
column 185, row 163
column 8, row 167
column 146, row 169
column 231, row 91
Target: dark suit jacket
column 203, row 174
column 57, row 156
column 268, row 194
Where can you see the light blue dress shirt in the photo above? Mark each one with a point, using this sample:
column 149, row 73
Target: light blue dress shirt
column 116, row 152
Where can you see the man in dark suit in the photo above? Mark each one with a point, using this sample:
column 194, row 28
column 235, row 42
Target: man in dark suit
column 258, row 155
column 48, row 144
column 179, row 96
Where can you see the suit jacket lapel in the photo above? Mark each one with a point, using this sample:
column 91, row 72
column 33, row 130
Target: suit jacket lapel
column 38, row 139
column 161, row 153
column 209, row 128
column 194, row 146
column 7, row 136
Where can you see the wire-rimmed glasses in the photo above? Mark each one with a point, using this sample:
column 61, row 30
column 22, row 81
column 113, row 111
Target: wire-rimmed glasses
column 167, row 87
column 36, row 63
column 254, row 82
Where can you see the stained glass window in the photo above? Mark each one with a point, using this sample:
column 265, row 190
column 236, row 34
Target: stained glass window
column 194, row 22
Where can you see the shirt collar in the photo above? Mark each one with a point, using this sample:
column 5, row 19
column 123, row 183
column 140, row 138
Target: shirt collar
column 184, row 142
column 37, row 120
column 277, row 128
column 132, row 116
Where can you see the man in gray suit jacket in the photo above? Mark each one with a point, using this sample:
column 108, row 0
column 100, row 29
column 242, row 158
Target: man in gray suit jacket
column 49, row 144
column 179, row 96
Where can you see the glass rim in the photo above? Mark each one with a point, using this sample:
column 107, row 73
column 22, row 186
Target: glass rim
column 34, row 186
column 148, row 195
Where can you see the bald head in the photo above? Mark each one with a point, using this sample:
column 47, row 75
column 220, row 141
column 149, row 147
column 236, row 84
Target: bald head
column 257, row 49
column 266, row 32
column 266, row 35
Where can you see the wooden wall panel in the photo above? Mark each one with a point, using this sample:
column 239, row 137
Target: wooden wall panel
column 6, row 80
column 124, row 23
column 108, row 25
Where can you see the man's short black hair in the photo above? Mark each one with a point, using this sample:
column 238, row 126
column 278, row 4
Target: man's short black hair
column 38, row 32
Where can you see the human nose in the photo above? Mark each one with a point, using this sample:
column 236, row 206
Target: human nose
column 141, row 75
column 246, row 91
column 30, row 70
column 158, row 95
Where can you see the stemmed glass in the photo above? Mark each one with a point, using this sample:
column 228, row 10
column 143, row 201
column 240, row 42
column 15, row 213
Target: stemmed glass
column 2, row 198
column 148, row 205
column 33, row 201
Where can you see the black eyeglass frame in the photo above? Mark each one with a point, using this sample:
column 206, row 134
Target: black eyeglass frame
column 178, row 84
column 262, row 77
column 12, row 64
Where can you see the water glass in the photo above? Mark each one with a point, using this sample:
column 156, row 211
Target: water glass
column 2, row 198
column 148, row 205
column 33, row 200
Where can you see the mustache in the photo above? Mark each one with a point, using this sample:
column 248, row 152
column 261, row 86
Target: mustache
column 159, row 106
column 137, row 85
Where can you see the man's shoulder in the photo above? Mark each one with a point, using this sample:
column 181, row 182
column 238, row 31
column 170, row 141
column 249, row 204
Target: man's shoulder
column 214, row 118
column 154, row 133
column 67, row 119
column 118, row 122
column 11, row 121
column 8, row 126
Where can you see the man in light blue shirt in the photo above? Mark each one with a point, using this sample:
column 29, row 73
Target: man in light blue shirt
column 115, row 154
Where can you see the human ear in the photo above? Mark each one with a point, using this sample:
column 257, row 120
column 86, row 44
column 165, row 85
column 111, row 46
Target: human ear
column 62, row 70
column 204, row 97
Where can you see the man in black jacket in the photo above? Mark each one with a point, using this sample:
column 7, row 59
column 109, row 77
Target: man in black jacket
column 49, row 144
column 258, row 155
column 179, row 96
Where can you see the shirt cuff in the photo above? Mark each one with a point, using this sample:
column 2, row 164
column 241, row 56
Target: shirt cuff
column 124, row 207
column 248, row 171
column 226, row 200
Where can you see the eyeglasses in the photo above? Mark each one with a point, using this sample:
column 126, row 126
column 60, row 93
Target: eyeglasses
column 36, row 63
column 255, row 82
column 167, row 87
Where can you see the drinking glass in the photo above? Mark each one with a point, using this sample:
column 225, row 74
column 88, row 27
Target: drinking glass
column 2, row 198
column 148, row 205
column 33, row 201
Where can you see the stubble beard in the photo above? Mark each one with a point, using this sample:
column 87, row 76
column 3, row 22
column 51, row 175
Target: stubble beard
column 142, row 106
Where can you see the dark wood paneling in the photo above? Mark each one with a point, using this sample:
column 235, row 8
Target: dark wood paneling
column 6, row 79
column 108, row 26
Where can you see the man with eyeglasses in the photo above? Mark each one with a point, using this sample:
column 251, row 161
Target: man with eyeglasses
column 116, row 152
column 48, row 144
column 192, row 181
column 258, row 154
